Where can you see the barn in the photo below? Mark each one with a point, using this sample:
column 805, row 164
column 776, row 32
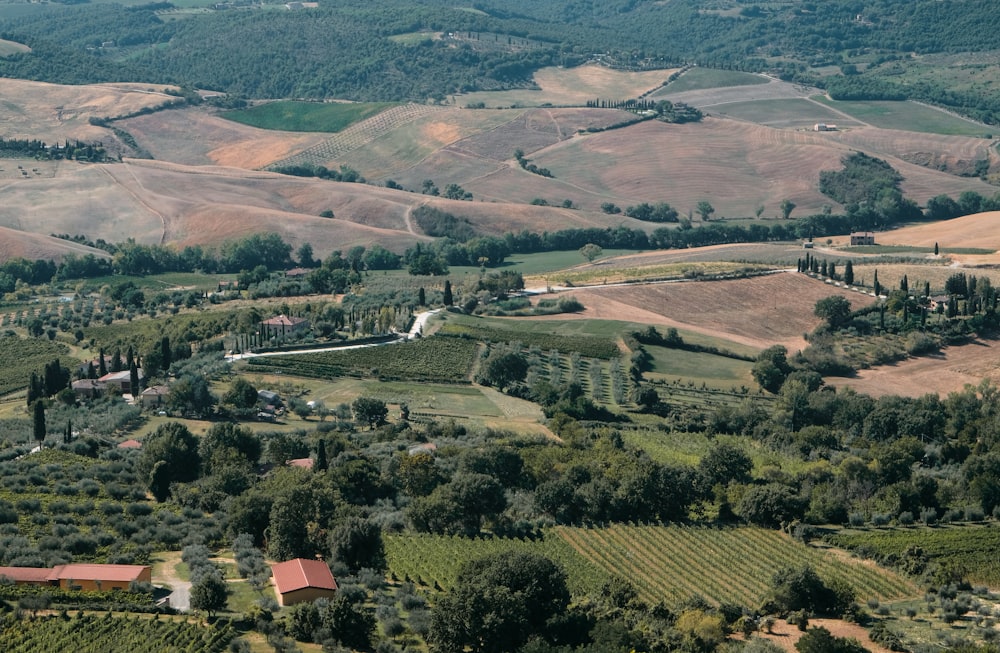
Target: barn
column 301, row 580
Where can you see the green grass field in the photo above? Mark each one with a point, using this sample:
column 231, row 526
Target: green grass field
column 167, row 281
column 543, row 262
column 908, row 116
column 779, row 112
column 288, row 115
column 699, row 367
column 690, row 448
column 699, row 78
column 414, row 38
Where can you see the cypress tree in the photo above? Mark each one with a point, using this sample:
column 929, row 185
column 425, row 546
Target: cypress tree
column 448, row 299
column 38, row 429
column 904, row 284
column 165, row 353
column 849, row 273
column 133, row 378
column 68, row 434
column 421, row 297
column 102, row 367
column 935, row 249
column 321, row 462
column 116, row 360
column 878, row 288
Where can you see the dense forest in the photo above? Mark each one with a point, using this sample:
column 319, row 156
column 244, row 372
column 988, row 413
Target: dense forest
column 271, row 52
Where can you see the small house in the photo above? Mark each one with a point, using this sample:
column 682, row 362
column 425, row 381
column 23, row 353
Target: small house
column 303, row 463
column 301, row 580
column 130, row 444
column 154, row 396
column 862, row 238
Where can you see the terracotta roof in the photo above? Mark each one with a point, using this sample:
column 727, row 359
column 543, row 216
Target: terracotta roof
column 26, row 574
column 97, row 572
column 284, row 320
column 130, row 444
column 301, row 573
column 305, row 463
column 156, row 391
column 73, row 572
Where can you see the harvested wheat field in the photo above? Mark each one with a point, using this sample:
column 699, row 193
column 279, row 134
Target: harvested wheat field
column 56, row 112
column 193, row 136
column 574, row 86
column 978, row 231
column 758, row 312
column 948, row 371
column 20, row 244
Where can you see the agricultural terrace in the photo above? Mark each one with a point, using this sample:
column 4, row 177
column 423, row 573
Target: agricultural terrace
column 90, row 633
column 968, row 550
column 295, row 116
column 665, row 563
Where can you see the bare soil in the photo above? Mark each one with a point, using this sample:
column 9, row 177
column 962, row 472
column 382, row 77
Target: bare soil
column 948, row 371
column 757, row 312
column 785, row 635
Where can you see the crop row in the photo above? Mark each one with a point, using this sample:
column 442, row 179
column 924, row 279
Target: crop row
column 589, row 346
column 22, row 356
column 91, row 634
column 734, row 565
column 970, row 550
column 434, row 560
column 446, row 360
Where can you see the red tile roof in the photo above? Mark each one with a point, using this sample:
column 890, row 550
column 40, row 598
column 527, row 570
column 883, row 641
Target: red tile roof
column 284, row 320
column 97, row 572
column 130, row 444
column 26, row 574
column 305, row 463
column 126, row 573
column 301, row 573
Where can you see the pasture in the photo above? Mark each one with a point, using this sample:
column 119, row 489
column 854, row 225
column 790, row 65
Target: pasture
column 783, row 114
column 699, row 78
column 909, row 116
column 307, row 116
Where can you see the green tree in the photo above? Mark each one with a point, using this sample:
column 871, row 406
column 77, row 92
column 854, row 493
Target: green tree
column 821, row 640
column 173, row 445
column 503, row 370
column 705, row 210
column 38, row 421
column 357, row 543
column 227, row 444
column 210, row 594
column 370, row 411
column 498, row 603
column 771, row 368
column 723, row 464
column 787, row 206
column 305, row 256
column 190, row 394
column 836, row 310
column 849, row 273
column 590, row 251
column 242, row 396
column 770, row 505
column 447, row 299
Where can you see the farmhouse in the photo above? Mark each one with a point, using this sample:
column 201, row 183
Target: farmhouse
column 120, row 382
column 863, row 238
column 301, row 580
column 87, row 388
column 282, row 325
column 824, row 127
column 154, row 396
column 87, row 577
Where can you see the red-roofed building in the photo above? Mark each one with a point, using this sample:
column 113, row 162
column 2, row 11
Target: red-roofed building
column 86, row 577
column 304, row 463
column 130, row 444
column 283, row 324
column 301, row 580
